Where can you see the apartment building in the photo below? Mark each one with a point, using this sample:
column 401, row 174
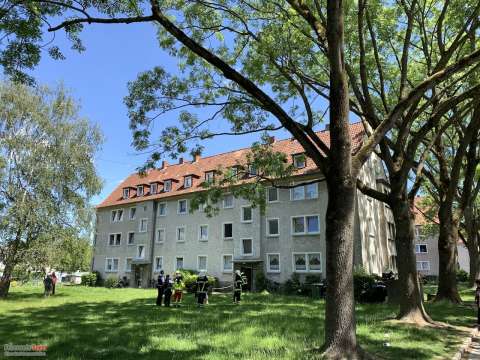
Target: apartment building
column 145, row 225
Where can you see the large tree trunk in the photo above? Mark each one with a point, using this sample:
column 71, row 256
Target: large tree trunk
column 472, row 245
column 5, row 280
column 447, row 256
column 411, row 299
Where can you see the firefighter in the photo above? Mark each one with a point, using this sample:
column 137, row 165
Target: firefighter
column 238, row 281
column 178, row 286
column 160, row 287
column 202, row 288
column 167, row 290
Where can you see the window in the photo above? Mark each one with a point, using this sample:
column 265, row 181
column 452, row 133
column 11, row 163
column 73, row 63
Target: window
column 423, row 265
column 227, row 263
column 167, row 186
column 160, row 235
column 111, row 264
column 273, row 227
column 272, row 194
column 246, row 214
column 179, row 262
column 132, row 213
column 202, row 263
column 418, row 232
column 203, row 233
column 273, row 263
column 247, row 247
column 307, row 262
column 153, row 188
column 126, row 193
column 187, row 182
column 252, row 171
column 158, row 263
column 308, row 224
column 162, row 209
column 182, row 206
column 420, row 248
column 234, row 172
column 181, row 234
column 131, row 238
column 115, row 239
column 304, row 192
column 210, row 176
column 141, row 251
column 299, row 161
column 140, row 190
column 228, row 231
column 143, row 225
column 128, row 264
column 228, row 201
column 117, row 215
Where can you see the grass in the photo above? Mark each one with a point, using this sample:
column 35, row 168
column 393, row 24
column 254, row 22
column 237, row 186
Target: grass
column 99, row 323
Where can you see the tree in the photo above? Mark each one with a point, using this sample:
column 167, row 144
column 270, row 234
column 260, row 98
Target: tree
column 261, row 65
column 47, row 175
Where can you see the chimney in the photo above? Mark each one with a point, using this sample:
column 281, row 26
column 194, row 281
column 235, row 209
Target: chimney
column 164, row 164
column 196, row 157
column 180, row 161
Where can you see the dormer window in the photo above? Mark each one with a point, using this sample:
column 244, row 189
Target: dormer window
column 126, row 193
column 252, row 170
column 234, row 172
column 210, row 176
column 153, row 188
column 167, row 186
column 187, row 181
column 140, row 190
column 299, row 161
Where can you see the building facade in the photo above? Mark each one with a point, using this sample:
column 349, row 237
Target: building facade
column 146, row 225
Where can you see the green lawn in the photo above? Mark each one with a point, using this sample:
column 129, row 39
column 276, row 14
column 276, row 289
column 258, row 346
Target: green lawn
column 99, row 323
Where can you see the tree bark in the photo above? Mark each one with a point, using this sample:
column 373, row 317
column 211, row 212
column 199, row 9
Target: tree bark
column 447, row 256
column 411, row 299
column 474, row 258
column 5, row 280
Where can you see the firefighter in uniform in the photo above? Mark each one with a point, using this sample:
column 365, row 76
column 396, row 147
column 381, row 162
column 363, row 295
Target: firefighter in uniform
column 178, row 286
column 202, row 288
column 238, row 281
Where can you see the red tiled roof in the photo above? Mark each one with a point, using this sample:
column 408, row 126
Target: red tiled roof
column 420, row 210
column 199, row 167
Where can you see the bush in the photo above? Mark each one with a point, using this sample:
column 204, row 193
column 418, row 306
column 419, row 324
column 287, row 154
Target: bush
column 261, row 281
column 111, row 282
column 362, row 282
column 99, row 279
column 462, row 275
column 292, row 286
column 89, row 279
column 313, row 279
column 190, row 279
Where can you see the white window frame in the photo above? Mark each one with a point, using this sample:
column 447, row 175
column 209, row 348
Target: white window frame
column 140, row 187
column 268, row 263
column 115, row 238
column 198, row 262
column 305, row 191
column 417, row 248
column 130, row 213
column 115, row 219
column 183, row 262
column 223, row 231
column 128, row 238
column 423, row 262
column 126, row 193
column 233, row 201
column 156, row 269
column 223, row 264
column 269, row 234
column 307, row 263
column 242, row 220
column 140, row 225
column 169, row 187
column 252, row 171
column 295, row 163
column 153, row 186
column 144, row 251
column 306, row 232
column 184, row 233
column 162, row 203
column 113, row 262
column 251, row 242
column 157, row 237
column 207, row 176
column 268, row 192
column 292, row 191
column 200, row 232
column 189, row 182
column 178, row 207
column 127, row 270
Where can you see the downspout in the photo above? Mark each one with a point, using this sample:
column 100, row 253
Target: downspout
column 152, row 247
